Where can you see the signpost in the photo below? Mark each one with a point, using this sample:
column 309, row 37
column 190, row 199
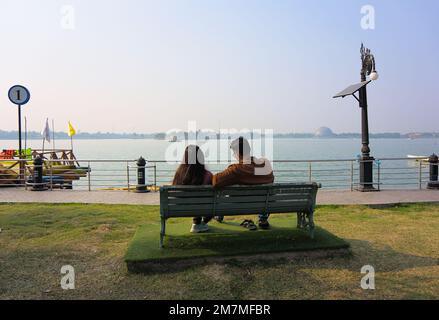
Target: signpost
column 19, row 96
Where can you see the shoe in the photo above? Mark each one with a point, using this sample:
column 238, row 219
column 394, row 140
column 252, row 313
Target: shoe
column 248, row 224
column 199, row 228
column 204, row 227
column 263, row 224
column 219, row 219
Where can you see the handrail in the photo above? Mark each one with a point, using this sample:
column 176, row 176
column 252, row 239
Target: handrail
column 95, row 174
column 227, row 161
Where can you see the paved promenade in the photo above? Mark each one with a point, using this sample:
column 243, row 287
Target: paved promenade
column 124, row 197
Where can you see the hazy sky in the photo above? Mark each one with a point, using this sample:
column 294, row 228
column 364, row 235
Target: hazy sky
column 150, row 66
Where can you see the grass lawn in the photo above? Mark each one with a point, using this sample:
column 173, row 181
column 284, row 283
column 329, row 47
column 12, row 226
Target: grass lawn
column 37, row 239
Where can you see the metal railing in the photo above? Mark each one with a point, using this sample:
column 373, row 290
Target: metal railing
column 389, row 173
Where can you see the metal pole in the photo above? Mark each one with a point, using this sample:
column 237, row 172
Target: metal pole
column 19, row 145
column 19, row 131
column 25, row 134
column 51, row 176
column 25, row 178
column 420, row 175
column 53, row 133
column 155, row 177
column 89, row 179
column 310, row 172
column 128, row 176
column 352, row 175
column 379, row 176
column 366, row 166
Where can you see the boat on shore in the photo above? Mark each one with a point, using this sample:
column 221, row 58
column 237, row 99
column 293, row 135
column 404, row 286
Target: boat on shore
column 61, row 167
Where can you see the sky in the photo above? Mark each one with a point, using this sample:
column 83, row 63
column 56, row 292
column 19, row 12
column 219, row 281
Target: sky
column 151, row 66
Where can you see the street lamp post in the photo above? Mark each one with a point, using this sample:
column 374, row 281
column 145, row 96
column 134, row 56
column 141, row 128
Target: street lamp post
column 366, row 161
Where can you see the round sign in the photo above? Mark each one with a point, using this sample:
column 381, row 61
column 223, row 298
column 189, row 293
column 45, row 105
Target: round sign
column 19, row 95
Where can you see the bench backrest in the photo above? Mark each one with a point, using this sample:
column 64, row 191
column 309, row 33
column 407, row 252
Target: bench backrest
column 188, row 201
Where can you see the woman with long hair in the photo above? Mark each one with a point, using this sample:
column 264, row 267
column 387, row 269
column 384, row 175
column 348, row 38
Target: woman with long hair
column 192, row 171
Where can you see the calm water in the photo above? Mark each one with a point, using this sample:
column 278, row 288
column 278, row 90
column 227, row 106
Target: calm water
column 393, row 174
column 285, row 149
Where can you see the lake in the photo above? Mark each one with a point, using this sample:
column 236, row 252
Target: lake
column 284, row 149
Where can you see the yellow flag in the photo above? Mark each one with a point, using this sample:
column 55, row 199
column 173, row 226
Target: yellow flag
column 71, row 132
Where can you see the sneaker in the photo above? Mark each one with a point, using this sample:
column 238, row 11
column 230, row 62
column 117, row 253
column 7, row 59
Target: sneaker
column 263, row 224
column 199, row 228
column 219, row 219
column 204, row 227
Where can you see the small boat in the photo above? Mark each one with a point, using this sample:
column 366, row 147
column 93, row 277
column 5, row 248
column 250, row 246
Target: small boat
column 417, row 158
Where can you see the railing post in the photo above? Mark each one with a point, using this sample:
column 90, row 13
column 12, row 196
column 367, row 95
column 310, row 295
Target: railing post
column 433, row 182
column 89, row 178
column 141, row 176
column 310, row 172
column 38, row 175
column 51, row 176
column 128, row 176
column 379, row 175
column 25, row 178
column 352, row 175
column 420, row 175
column 155, row 176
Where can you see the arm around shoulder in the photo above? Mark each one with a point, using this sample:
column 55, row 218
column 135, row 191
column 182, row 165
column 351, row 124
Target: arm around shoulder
column 225, row 178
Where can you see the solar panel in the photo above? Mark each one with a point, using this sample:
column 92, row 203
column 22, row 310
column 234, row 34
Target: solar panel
column 351, row 89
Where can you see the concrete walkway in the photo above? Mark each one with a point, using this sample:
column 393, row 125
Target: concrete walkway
column 341, row 197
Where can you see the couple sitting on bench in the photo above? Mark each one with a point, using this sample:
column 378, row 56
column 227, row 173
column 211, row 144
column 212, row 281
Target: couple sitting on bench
column 248, row 171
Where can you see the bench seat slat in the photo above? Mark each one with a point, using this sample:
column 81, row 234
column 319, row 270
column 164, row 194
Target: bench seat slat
column 186, row 200
column 262, row 199
column 244, row 192
column 292, row 196
column 190, row 194
column 242, row 199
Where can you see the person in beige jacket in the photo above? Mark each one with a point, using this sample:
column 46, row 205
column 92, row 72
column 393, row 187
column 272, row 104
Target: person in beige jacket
column 248, row 171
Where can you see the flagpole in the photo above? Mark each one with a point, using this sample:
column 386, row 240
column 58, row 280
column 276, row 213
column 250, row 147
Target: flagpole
column 53, row 134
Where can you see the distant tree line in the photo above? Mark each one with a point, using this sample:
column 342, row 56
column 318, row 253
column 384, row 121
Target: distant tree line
column 34, row 135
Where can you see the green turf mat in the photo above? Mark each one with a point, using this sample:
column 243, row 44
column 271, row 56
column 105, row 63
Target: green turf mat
column 226, row 239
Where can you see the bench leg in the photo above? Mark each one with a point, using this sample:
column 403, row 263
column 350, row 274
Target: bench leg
column 162, row 231
column 311, row 224
column 306, row 220
column 300, row 220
